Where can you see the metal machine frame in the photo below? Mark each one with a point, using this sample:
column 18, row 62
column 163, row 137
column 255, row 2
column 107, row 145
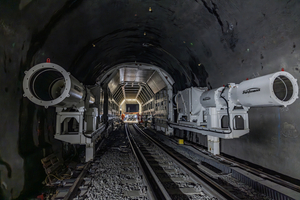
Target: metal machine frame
column 223, row 112
column 48, row 84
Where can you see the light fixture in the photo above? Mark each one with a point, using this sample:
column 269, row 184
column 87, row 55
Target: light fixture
column 122, row 102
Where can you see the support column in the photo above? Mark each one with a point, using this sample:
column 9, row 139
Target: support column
column 170, row 130
column 58, row 121
column 213, row 144
column 105, row 105
column 89, row 152
column 58, row 124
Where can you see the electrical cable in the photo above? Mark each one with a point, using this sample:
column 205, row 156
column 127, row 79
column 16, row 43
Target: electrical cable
column 60, row 179
column 48, row 176
column 228, row 121
column 86, row 135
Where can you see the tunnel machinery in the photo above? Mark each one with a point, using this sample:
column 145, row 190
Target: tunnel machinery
column 84, row 112
column 223, row 112
column 48, row 84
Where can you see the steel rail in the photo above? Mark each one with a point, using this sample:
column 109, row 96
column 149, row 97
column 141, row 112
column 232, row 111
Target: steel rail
column 208, row 184
column 72, row 191
column 163, row 194
column 262, row 174
column 252, row 170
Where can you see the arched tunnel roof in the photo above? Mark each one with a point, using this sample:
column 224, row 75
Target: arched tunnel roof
column 188, row 39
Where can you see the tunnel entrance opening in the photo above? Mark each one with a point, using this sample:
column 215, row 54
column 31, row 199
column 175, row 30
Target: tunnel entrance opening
column 283, row 88
column 147, row 85
column 137, row 82
column 132, row 107
column 47, row 84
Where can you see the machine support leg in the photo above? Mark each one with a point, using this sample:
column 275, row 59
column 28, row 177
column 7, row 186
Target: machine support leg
column 89, row 152
column 58, row 124
column 170, row 131
column 213, row 144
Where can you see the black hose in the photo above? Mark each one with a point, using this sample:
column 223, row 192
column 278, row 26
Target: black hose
column 226, row 86
column 91, row 136
column 86, row 135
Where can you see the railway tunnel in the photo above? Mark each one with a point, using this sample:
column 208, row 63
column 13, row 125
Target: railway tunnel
column 146, row 52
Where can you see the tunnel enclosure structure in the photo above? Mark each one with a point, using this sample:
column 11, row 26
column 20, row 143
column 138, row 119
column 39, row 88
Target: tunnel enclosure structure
column 142, row 83
column 198, row 43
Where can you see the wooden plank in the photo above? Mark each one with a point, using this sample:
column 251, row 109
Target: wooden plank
column 47, row 165
column 53, row 167
column 48, row 158
column 75, row 186
column 51, row 164
column 54, row 160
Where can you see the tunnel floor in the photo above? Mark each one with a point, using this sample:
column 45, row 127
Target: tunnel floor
column 113, row 174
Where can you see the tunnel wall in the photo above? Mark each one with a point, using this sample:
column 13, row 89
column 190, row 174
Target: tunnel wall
column 267, row 42
column 26, row 130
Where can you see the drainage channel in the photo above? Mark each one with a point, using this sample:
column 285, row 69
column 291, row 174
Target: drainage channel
column 168, row 178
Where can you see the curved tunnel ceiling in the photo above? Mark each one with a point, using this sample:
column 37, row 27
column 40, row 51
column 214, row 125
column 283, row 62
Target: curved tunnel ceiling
column 120, row 31
column 188, row 39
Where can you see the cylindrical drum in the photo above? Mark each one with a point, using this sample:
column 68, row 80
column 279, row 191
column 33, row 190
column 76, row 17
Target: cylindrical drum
column 48, row 84
column 212, row 98
column 208, row 98
column 277, row 89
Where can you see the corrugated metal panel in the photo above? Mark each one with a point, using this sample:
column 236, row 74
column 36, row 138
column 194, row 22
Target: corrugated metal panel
column 134, row 75
column 128, row 74
column 131, row 90
column 143, row 75
column 113, row 84
column 156, row 83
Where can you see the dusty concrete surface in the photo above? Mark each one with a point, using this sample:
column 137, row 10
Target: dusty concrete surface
column 198, row 42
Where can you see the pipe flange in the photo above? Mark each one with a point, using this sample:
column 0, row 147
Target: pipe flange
column 30, row 74
column 293, row 81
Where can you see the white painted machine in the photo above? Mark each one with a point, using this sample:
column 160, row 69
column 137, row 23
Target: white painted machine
column 48, row 84
column 223, row 112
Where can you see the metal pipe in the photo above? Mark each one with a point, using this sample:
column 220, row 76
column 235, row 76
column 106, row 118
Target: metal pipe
column 277, row 89
column 48, row 84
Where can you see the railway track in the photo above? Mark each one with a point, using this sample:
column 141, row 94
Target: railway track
column 241, row 180
column 169, row 176
column 133, row 165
